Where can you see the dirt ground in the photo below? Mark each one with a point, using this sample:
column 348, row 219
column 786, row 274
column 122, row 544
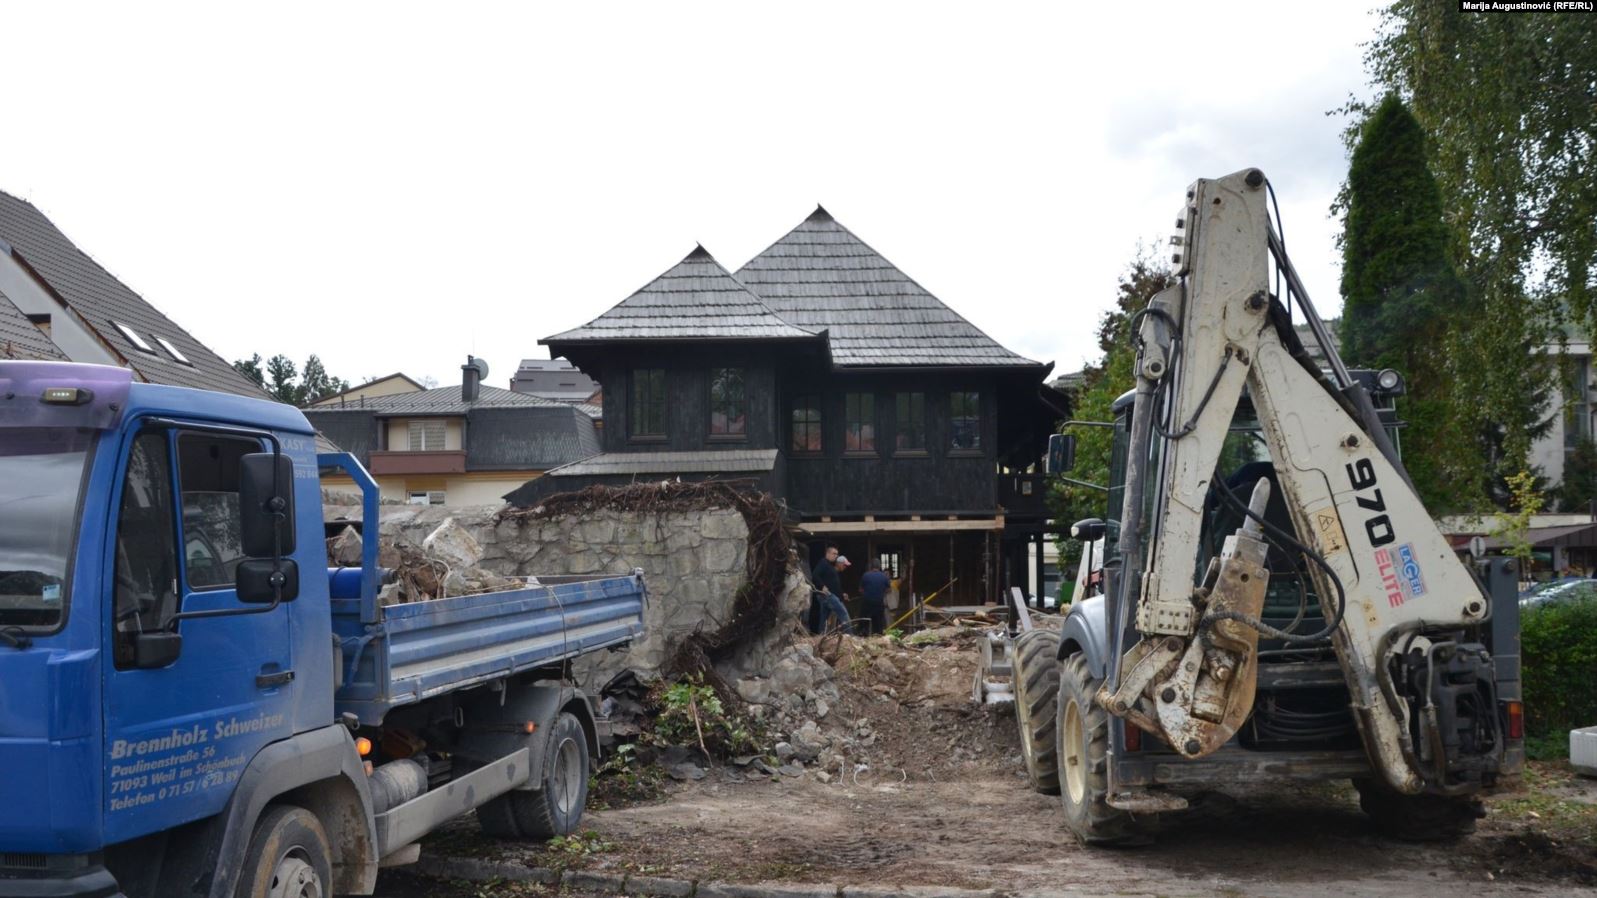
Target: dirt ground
column 937, row 797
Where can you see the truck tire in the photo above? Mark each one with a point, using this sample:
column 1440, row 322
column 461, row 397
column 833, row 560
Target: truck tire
column 556, row 806
column 288, row 857
column 1036, row 678
column 1083, row 760
column 1418, row 818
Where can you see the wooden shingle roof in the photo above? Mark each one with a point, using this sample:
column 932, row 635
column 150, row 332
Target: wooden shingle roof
column 102, row 302
column 696, row 299
column 822, row 277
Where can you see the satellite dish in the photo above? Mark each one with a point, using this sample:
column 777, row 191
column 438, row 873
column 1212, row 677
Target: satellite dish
column 482, row 368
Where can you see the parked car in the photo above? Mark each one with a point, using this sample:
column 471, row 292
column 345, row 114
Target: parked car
column 1566, row 589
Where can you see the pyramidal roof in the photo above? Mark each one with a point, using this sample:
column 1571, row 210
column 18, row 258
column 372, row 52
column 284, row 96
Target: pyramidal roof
column 821, row 276
column 696, row 299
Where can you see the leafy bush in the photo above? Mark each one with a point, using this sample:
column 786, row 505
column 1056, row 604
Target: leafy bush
column 692, row 714
column 1558, row 652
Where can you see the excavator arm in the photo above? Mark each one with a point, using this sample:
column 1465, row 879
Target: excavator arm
column 1400, row 608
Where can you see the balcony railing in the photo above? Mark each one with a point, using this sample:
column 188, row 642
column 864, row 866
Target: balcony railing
column 444, row 461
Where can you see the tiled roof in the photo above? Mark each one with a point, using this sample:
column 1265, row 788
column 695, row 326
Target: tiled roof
column 651, row 463
column 20, row 339
column 100, row 299
column 528, row 438
column 441, row 401
column 822, row 277
column 696, row 299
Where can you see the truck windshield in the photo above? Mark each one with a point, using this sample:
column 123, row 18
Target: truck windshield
column 41, row 477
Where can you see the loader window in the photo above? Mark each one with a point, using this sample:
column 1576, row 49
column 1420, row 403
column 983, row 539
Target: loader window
column 146, row 546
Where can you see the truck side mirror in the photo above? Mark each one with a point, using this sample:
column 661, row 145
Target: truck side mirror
column 266, row 505
column 1061, row 453
column 155, row 649
column 259, row 579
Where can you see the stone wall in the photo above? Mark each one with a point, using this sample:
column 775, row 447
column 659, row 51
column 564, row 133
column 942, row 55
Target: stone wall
column 693, row 564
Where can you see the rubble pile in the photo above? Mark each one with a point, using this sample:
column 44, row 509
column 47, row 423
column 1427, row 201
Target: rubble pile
column 447, row 563
column 857, row 708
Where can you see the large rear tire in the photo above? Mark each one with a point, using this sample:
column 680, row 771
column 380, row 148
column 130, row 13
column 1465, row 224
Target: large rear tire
column 1418, row 818
column 1083, row 755
column 1036, row 678
column 288, row 857
column 555, row 808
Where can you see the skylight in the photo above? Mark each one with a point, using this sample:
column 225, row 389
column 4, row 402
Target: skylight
column 172, row 350
column 134, row 338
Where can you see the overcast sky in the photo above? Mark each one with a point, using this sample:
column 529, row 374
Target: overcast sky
column 393, row 186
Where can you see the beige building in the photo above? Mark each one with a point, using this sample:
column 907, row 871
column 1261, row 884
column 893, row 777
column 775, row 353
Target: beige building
column 392, row 385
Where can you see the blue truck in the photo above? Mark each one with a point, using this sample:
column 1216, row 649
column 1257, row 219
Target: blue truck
column 193, row 703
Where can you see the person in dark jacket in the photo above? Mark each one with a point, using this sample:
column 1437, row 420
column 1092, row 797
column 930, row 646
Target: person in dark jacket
column 874, row 586
column 827, row 599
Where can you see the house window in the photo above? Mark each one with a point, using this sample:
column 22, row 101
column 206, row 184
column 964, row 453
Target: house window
column 859, row 416
column 426, row 436
column 729, row 405
column 133, row 337
column 807, row 424
column 911, row 435
column 964, row 418
column 425, row 497
column 173, row 351
column 1577, row 404
column 648, row 402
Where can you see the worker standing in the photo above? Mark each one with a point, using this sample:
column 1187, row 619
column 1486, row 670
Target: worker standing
column 873, row 586
column 827, row 599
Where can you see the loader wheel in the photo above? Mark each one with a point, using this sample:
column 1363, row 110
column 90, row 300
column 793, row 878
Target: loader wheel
column 288, row 857
column 1083, row 740
column 555, row 807
column 1036, row 677
column 1418, row 818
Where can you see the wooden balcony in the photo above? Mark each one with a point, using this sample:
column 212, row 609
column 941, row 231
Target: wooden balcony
column 447, row 461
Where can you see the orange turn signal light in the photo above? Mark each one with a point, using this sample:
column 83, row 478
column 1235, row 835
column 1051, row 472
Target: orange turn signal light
column 363, row 746
column 532, row 727
column 1516, row 720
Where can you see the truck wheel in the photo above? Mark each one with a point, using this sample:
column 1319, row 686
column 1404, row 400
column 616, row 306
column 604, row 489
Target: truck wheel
column 288, row 857
column 555, row 808
column 1418, row 818
column 1083, row 753
column 1036, row 677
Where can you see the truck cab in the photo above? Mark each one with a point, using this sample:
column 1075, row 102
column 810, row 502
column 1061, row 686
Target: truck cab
column 193, row 703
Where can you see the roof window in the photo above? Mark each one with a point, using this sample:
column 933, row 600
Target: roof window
column 172, row 351
column 134, row 338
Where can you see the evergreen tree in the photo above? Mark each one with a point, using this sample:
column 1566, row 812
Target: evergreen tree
column 1404, row 307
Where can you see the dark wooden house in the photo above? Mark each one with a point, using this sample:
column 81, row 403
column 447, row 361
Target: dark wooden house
column 884, row 420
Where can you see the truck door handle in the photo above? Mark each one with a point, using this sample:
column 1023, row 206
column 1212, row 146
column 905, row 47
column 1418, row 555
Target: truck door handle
column 268, row 680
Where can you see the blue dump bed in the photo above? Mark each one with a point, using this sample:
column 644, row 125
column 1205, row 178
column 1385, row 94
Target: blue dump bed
column 400, row 654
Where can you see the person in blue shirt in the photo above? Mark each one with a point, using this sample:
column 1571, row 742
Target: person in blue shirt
column 873, row 586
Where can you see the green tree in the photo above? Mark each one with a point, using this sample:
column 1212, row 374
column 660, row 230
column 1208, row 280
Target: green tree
column 251, row 368
column 1506, row 102
column 1102, row 384
column 1404, row 307
column 1579, row 487
column 281, row 378
column 1514, row 529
